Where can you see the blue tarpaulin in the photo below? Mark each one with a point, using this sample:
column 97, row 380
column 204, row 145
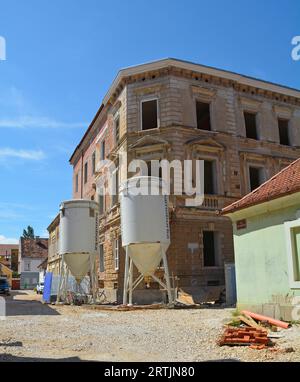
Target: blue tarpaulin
column 47, row 287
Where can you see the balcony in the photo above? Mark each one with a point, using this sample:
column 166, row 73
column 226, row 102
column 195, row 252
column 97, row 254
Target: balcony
column 211, row 202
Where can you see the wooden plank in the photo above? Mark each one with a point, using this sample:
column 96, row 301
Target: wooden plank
column 248, row 322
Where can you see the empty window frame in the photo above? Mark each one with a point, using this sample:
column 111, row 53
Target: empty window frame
column 85, row 172
column 76, row 182
column 115, row 196
column 210, row 248
column 157, row 172
column 117, row 130
column 101, row 258
column 210, row 187
column 149, row 111
column 203, row 115
column 101, row 200
column 94, row 163
column 251, row 125
column 116, row 253
column 283, row 127
column 102, row 150
column 256, row 177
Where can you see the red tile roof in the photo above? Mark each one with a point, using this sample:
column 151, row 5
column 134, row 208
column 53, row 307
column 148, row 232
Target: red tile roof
column 287, row 181
column 34, row 248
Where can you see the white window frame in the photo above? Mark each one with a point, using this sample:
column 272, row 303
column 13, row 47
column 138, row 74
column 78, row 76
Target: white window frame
column 141, row 112
column 116, row 253
column 289, row 227
column 27, row 265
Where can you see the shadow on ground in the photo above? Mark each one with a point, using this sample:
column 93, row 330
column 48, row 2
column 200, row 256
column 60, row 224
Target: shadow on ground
column 12, row 358
column 27, row 308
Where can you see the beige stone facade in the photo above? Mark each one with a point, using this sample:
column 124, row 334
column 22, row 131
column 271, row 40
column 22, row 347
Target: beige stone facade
column 54, row 260
column 235, row 161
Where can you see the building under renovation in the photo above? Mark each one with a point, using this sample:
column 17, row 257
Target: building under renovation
column 244, row 129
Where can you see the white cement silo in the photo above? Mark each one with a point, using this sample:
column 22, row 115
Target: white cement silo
column 78, row 241
column 145, row 231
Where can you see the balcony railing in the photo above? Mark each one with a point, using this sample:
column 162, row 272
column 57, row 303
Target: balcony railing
column 212, row 202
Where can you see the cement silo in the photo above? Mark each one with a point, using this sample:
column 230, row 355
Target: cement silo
column 145, row 231
column 78, row 243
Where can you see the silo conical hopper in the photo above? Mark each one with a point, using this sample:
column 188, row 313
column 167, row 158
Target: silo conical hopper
column 145, row 230
column 78, row 242
column 78, row 265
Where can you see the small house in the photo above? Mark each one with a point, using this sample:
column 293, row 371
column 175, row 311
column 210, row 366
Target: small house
column 31, row 254
column 266, row 229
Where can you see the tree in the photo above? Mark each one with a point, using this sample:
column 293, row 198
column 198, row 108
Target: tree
column 29, row 233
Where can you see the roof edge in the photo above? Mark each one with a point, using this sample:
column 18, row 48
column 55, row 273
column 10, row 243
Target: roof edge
column 183, row 64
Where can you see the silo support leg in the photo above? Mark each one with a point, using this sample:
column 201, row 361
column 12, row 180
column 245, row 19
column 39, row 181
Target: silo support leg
column 66, row 286
column 137, row 282
column 130, row 281
column 61, row 280
column 167, row 276
column 125, row 292
column 93, row 278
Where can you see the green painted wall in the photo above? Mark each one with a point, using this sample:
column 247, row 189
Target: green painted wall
column 261, row 258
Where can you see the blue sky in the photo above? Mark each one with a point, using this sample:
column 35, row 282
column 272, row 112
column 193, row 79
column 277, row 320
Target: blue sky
column 63, row 55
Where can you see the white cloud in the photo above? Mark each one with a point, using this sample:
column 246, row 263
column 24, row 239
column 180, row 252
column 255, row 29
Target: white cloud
column 6, row 240
column 21, row 154
column 27, row 121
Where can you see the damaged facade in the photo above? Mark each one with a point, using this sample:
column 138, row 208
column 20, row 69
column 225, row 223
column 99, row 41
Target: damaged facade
column 244, row 129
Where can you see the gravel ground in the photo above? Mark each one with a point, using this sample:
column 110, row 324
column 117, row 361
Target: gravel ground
column 33, row 331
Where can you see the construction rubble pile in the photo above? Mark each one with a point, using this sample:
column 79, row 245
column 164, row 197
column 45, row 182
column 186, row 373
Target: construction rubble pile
column 251, row 329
